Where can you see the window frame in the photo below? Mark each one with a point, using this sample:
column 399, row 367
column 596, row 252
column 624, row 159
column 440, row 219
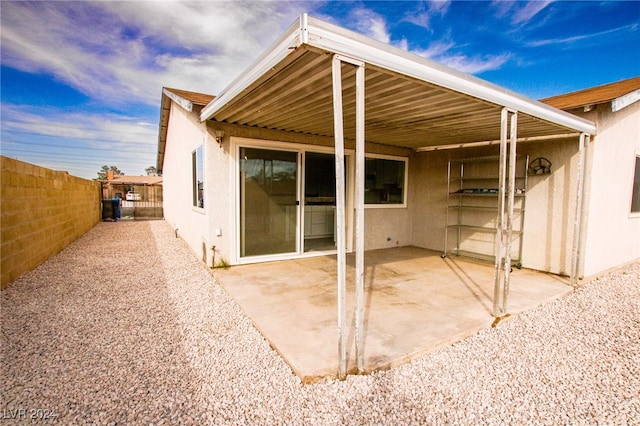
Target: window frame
column 194, row 177
column 635, row 187
column 405, row 183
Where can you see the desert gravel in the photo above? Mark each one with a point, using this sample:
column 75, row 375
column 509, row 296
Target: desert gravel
column 126, row 326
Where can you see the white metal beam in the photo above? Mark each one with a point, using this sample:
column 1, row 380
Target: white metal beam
column 498, row 290
column 506, row 199
column 340, row 217
column 360, row 178
column 497, row 142
column 577, row 225
column 511, row 190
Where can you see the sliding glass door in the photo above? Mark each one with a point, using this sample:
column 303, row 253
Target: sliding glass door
column 268, row 202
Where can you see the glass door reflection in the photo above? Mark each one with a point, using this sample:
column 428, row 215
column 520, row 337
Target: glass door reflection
column 268, row 202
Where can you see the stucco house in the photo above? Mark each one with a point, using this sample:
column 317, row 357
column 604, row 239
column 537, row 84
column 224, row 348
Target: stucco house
column 611, row 226
column 332, row 142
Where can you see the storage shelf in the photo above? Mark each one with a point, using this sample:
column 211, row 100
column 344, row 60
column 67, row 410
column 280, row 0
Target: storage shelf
column 482, row 208
column 484, row 178
column 487, row 194
column 462, row 214
column 486, row 229
column 482, row 256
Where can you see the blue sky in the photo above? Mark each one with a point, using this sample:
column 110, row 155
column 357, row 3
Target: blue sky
column 81, row 81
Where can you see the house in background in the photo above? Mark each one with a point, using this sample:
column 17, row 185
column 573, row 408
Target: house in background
column 141, row 195
column 254, row 174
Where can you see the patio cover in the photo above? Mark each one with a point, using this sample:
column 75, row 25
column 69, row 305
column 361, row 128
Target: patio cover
column 410, row 101
column 322, row 79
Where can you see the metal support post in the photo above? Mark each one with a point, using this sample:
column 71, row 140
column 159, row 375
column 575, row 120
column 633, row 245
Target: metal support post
column 360, row 169
column 504, row 225
column 577, row 225
column 498, row 290
column 340, row 216
column 511, row 189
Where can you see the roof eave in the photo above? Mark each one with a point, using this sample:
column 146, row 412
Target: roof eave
column 165, row 105
column 285, row 44
column 328, row 37
column 625, row 100
column 184, row 103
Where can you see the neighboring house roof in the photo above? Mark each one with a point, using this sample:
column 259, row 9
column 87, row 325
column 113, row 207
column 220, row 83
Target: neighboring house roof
column 599, row 95
column 136, row 180
column 186, row 99
column 194, row 98
column 411, row 101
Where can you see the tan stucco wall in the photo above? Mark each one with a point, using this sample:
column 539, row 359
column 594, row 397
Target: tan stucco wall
column 386, row 228
column 184, row 134
column 42, row 211
column 550, row 202
column 612, row 233
column 428, row 197
column 550, row 207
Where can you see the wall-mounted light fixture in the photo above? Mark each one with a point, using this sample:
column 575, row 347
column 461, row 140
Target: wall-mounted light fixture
column 219, row 135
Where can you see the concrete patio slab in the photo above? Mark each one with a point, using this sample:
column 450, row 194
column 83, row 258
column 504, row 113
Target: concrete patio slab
column 415, row 302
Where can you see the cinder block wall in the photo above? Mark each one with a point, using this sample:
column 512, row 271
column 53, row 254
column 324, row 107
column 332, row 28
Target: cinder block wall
column 42, row 211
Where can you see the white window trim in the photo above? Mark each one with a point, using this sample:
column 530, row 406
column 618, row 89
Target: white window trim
column 405, row 184
column 633, row 215
column 236, row 142
column 197, row 209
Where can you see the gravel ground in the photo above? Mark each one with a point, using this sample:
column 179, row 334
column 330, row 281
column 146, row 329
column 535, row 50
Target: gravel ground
column 126, row 326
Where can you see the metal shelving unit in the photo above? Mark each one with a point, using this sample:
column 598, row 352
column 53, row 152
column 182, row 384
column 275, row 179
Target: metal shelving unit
column 472, row 208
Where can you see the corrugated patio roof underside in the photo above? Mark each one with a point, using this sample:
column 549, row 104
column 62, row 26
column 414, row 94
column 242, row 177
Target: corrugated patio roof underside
column 297, row 96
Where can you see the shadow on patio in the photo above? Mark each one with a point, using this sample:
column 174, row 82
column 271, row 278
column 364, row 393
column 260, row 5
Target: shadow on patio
column 415, row 302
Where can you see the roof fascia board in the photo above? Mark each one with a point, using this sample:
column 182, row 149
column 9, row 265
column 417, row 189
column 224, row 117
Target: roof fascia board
column 625, row 100
column 165, row 105
column 291, row 39
column 333, row 38
column 185, row 104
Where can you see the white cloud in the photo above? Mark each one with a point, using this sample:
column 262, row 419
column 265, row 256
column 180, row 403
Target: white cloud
column 598, row 36
column 87, row 127
column 435, row 50
column 520, row 12
column 370, row 24
column 443, row 52
column 475, row 65
column 79, row 142
column 120, row 52
column 530, row 10
column 424, row 11
column 375, row 26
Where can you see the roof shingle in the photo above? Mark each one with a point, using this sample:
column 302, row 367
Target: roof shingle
column 196, row 98
column 594, row 95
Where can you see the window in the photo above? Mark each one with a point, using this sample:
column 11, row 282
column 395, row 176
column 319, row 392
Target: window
column 385, row 181
column 635, row 195
column 197, row 168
